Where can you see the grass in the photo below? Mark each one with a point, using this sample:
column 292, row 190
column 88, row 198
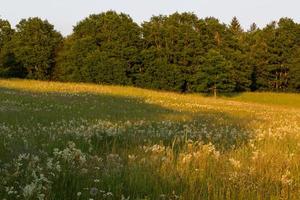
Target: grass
column 289, row 100
column 85, row 141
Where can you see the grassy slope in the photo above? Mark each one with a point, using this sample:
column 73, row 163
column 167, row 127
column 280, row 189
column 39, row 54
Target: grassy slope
column 268, row 98
column 282, row 99
column 148, row 142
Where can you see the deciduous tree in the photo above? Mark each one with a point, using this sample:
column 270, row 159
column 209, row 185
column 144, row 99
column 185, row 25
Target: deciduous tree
column 34, row 46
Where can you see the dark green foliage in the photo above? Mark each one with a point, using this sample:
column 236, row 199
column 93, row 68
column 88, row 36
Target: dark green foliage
column 159, row 74
column 280, row 40
column 7, row 59
column 215, row 74
column 104, row 49
column 294, row 70
column 5, row 33
column 172, row 50
column 235, row 52
column 213, row 34
column 179, row 52
column 34, row 47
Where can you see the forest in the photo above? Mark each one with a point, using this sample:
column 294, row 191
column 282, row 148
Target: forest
column 179, row 52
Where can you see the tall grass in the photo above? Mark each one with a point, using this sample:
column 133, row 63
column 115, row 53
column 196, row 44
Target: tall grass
column 84, row 141
column 289, row 100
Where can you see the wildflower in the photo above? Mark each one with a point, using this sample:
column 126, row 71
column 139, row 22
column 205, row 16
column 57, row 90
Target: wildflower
column 41, row 196
column 50, row 163
column 108, row 195
column 28, row 190
column 124, row 198
column 84, row 170
column 255, row 155
column 131, row 157
column 235, row 163
column 93, row 191
column 286, row 178
column 186, row 158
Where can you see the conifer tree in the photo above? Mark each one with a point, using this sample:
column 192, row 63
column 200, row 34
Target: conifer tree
column 235, row 26
column 253, row 27
column 215, row 74
column 294, row 70
column 235, row 52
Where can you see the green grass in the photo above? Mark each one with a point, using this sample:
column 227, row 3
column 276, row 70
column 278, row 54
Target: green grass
column 282, row 99
column 85, row 141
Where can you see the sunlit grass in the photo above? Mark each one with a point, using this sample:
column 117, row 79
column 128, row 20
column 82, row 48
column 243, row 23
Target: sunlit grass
column 85, row 141
column 281, row 99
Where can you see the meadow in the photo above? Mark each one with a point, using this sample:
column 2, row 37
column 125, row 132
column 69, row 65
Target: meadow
column 85, row 141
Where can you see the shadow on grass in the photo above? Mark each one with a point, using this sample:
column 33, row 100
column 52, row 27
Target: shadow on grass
column 20, row 106
column 36, row 118
column 38, row 111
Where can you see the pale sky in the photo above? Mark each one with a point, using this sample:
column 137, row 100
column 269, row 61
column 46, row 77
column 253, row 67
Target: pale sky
column 64, row 14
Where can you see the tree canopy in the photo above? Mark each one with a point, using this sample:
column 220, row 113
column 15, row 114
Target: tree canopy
column 34, row 46
column 6, row 57
column 179, row 52
column 104, row 49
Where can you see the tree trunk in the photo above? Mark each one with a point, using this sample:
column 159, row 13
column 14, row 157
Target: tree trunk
column 215, row 91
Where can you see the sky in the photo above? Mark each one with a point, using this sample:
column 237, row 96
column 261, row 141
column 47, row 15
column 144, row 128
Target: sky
column 64, row 14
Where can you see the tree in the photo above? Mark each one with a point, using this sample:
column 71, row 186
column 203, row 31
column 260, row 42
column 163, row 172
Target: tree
column 158, row 73
column 7, row 61
column 212, row 34
column 235, row 26
column 174, row 42
column 253, row 27
column 288, row 37
column 235, row 52
column 214, row 74
column 281, row 39
column 34, row 47
column 294, row 70
column 179, row 52
column 5, row 32
column 104, row 48
column 257, row 59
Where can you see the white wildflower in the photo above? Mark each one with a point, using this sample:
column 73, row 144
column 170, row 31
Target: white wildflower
column 235, row 163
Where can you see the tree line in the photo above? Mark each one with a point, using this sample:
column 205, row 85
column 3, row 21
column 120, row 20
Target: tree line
column 179, row 52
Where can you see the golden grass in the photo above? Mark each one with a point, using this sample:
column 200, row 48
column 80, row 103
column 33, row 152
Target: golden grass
column 146, row 144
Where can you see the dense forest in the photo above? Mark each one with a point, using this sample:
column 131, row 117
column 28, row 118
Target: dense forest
column 179, row 52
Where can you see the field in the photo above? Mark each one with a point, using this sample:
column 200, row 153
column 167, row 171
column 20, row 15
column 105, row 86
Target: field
column 83, row 141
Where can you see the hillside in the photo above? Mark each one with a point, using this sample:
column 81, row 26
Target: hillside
column 80, row 141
